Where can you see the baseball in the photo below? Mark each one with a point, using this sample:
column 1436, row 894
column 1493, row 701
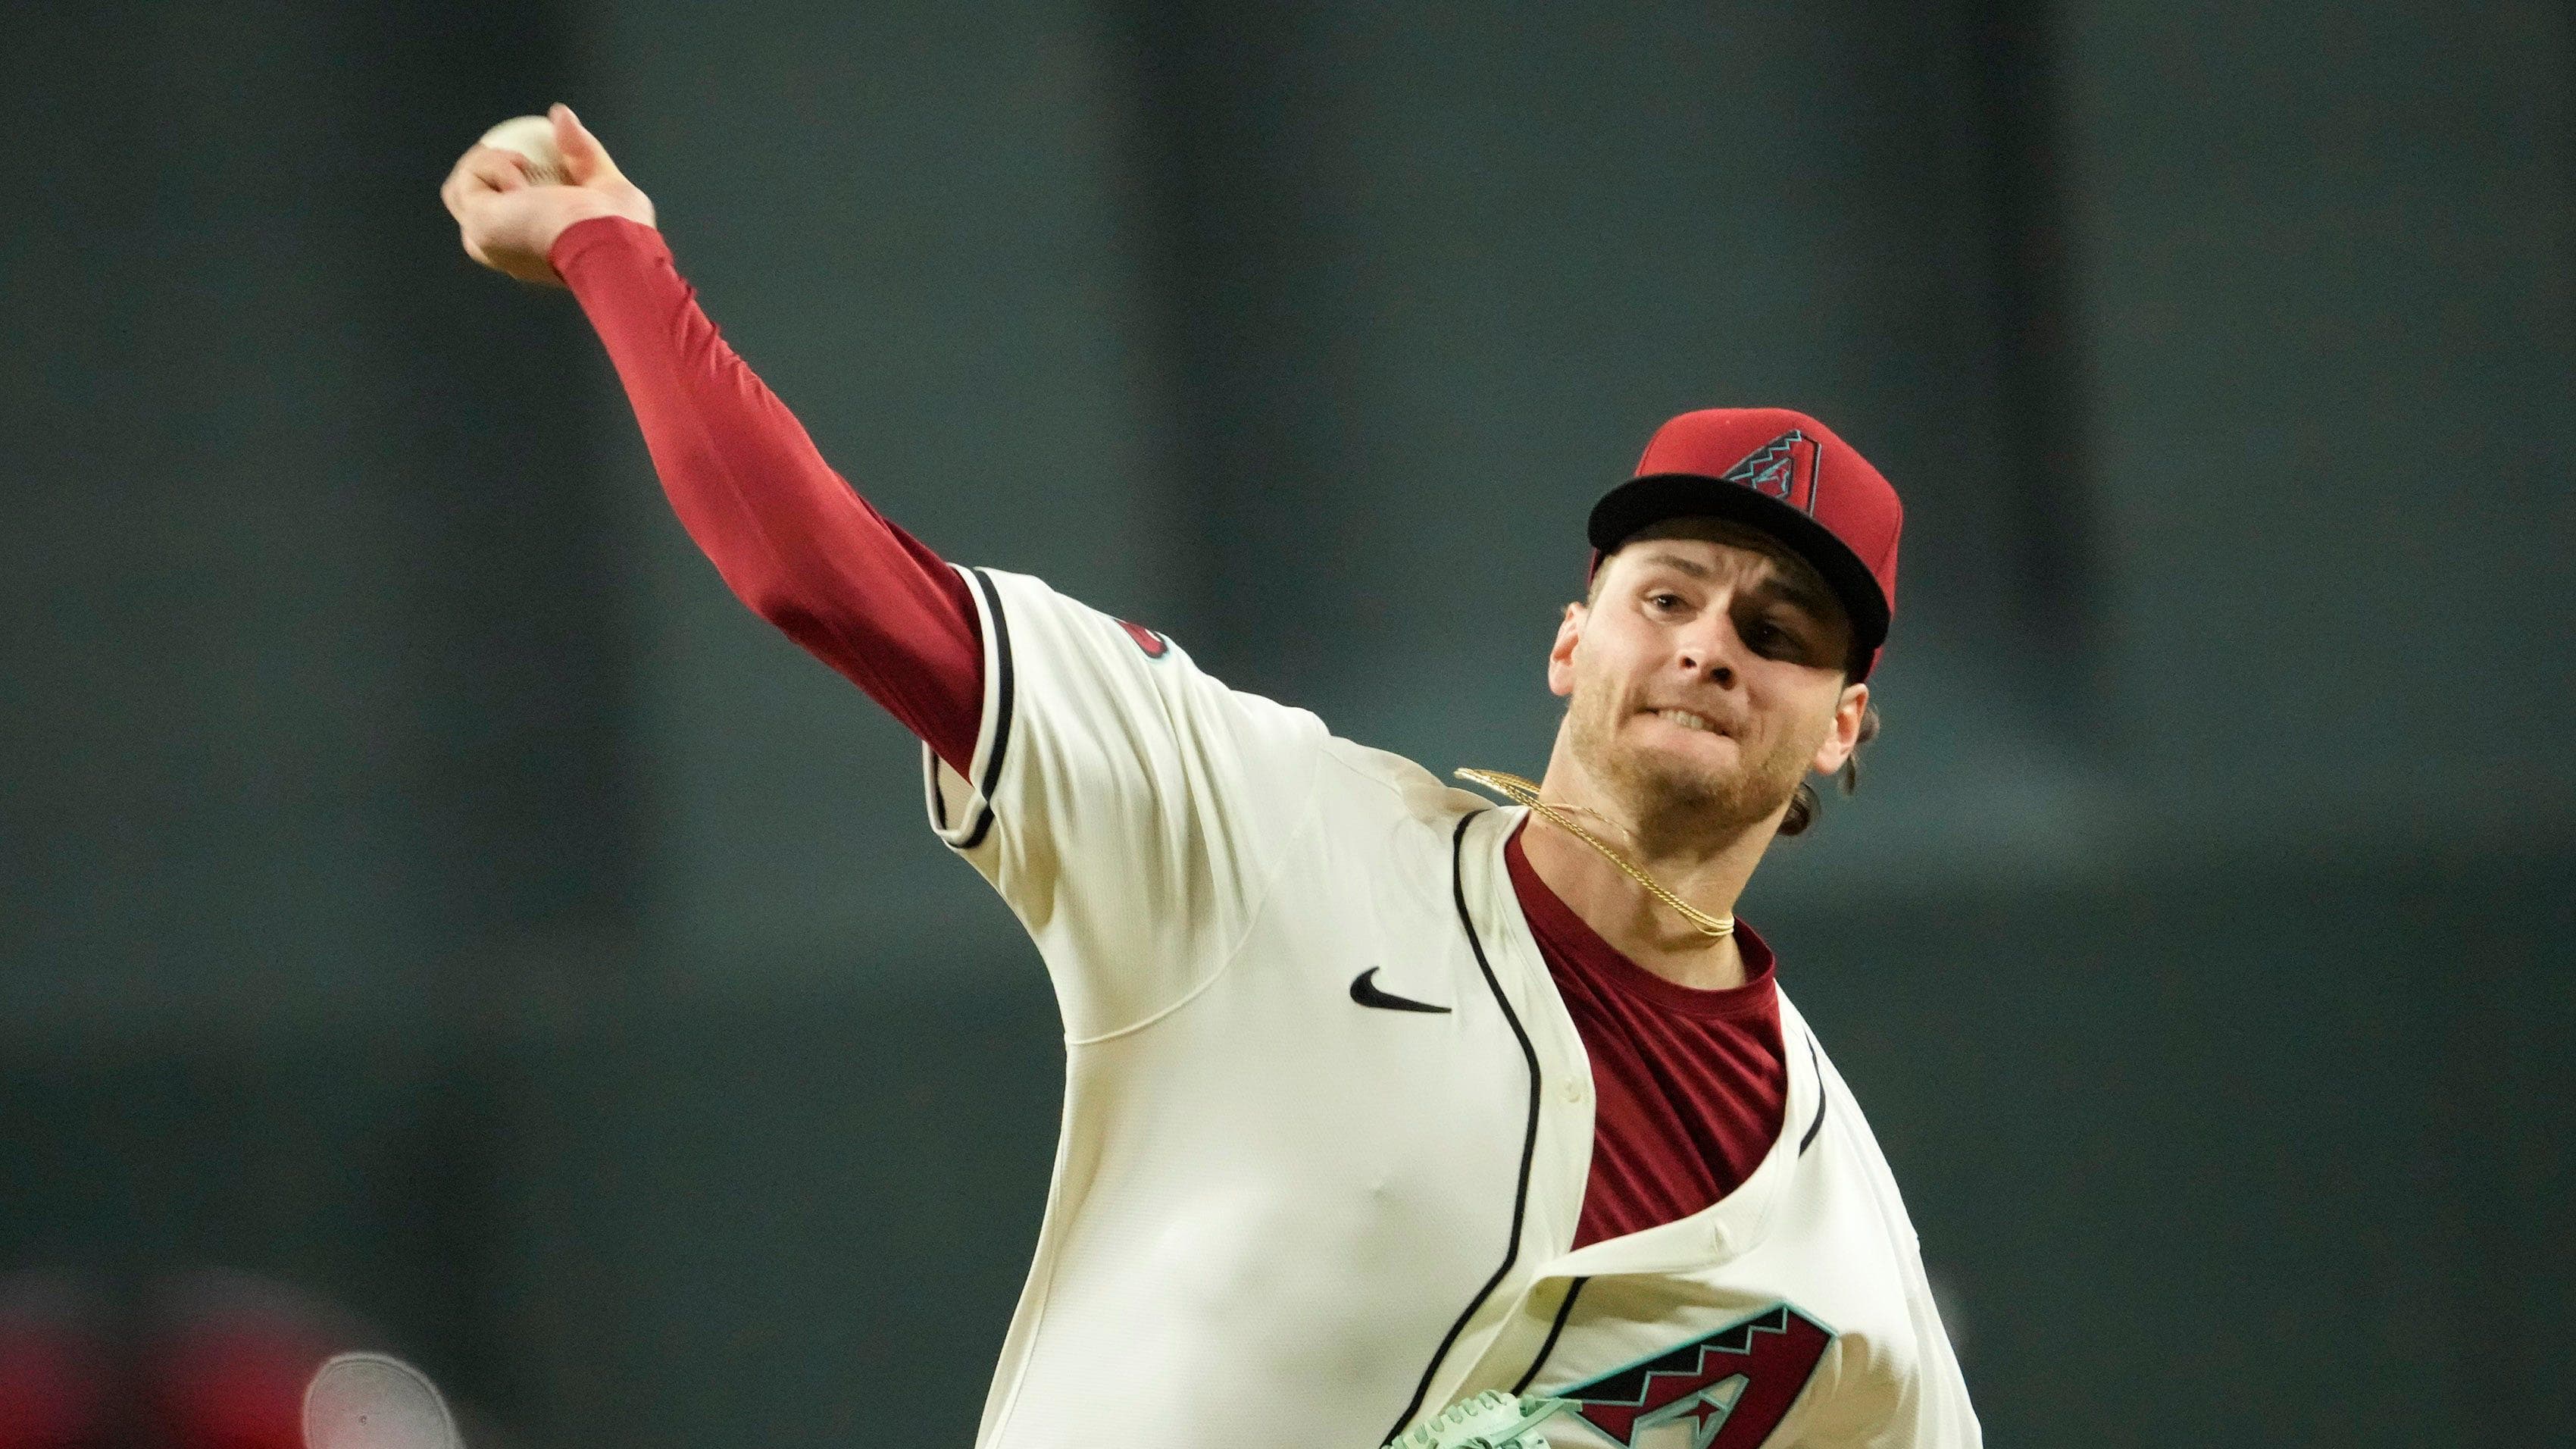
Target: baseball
column 534, row 138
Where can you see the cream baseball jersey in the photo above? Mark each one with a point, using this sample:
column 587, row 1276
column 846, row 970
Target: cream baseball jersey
column 1327, row 1125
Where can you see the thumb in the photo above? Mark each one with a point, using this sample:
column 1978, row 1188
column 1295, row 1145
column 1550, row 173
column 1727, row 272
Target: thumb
column 585, row 160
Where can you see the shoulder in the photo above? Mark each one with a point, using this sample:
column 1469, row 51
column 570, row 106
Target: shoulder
column 1106, row 674
column 1068, row 654
column 1390, row 781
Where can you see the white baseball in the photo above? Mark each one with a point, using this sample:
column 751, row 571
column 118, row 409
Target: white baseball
column 375, row 1401
column 534, row 138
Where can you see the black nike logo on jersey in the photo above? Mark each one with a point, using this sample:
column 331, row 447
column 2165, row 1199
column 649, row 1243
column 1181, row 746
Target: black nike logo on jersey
column 1365, row 992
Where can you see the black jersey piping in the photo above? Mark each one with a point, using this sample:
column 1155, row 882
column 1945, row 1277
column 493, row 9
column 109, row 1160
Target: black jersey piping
column 1564, row 1311
column 1002, row 689
column 1529, row 1131
column 1822, row 1099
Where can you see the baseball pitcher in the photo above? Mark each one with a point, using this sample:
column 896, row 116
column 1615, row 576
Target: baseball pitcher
column 1387, row 1106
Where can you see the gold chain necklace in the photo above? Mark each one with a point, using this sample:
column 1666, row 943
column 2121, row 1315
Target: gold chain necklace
column 1526, row 793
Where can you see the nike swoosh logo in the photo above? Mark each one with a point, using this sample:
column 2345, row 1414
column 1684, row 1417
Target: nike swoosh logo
column 1365, row 992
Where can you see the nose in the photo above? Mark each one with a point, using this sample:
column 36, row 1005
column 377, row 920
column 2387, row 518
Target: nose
column 1709, row 647
column 1720, row 673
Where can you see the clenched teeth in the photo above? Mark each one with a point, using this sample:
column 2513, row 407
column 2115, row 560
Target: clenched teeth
column 1684, row 718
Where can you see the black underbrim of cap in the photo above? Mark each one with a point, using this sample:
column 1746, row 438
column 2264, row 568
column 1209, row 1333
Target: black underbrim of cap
column 1640, row 503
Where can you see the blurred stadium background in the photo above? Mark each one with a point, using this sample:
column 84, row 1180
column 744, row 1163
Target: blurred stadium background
column 429, row 906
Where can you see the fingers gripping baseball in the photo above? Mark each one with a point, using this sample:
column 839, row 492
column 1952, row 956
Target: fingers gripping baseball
column 584, row 159
column 508, row 221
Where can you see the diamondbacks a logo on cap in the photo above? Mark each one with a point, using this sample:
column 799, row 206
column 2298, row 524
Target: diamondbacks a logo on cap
column 1785, row 468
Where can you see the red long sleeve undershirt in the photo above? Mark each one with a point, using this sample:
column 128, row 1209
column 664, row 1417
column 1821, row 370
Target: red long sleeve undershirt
column 791, row 539
column 1690, row 1086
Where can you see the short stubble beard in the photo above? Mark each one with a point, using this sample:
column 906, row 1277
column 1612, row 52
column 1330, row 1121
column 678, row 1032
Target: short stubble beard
column 1673, row 807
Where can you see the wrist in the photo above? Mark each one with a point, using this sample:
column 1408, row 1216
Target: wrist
column 575, row 210
column 579, row 233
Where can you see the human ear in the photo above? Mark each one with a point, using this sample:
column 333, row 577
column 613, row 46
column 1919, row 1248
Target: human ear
column 1844, row 737
column 1560, row 655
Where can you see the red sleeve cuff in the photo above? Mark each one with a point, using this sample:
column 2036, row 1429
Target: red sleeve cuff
column 598, row 238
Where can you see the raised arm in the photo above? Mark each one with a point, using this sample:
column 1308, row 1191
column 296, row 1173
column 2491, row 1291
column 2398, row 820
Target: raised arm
column 790, row 538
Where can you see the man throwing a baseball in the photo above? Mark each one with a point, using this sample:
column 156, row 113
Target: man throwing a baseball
column 1379, row 1097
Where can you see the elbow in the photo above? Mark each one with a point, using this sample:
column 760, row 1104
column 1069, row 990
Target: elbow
column 794, row 617
column 776, row 604
column 808, row 615
column 775, row 590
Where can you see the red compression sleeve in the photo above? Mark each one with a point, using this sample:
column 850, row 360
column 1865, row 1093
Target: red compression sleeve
column 791, row 539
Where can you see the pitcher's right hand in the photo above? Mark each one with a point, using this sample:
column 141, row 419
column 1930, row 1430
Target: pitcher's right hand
column 509, row 223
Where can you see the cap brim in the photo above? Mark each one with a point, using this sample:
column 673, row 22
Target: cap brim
column 1640, row 503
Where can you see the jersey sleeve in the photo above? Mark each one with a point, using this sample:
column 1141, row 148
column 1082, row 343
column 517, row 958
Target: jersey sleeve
column 1131, row 810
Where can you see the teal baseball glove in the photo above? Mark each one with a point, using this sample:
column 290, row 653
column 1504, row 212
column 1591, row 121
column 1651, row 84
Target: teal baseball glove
column 1491, row 1420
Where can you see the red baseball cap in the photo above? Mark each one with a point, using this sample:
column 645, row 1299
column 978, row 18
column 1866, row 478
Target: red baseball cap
column 1785, row 474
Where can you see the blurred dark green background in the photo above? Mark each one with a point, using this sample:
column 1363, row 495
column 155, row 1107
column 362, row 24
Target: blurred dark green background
column 421, row 886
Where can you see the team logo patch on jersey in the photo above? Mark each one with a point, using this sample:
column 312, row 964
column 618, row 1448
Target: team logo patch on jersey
column 1785, row 468
column 1730, row 1389
column 1154, row 645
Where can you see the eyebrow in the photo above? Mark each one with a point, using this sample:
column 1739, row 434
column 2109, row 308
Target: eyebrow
column 1679, row 564
column 1782, row 584
column 1795, row 593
